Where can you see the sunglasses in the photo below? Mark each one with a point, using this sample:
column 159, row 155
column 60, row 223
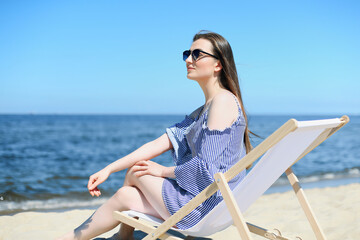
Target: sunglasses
column 195, row 54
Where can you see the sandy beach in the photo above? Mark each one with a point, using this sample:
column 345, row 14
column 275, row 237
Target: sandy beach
column 337, row 210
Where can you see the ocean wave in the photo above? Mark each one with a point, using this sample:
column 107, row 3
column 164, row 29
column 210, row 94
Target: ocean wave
column 348, row 173
column 18, row 203
column 11, row 207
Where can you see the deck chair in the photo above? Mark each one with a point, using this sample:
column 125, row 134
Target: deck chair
column 278, row 153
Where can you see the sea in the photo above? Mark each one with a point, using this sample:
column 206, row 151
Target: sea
column 46, row 160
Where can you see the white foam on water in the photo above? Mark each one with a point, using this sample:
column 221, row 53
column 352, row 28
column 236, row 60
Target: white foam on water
column 329, row 176
column 310, row 179
column 57, row 203
column 354, row 171
column 10, row 207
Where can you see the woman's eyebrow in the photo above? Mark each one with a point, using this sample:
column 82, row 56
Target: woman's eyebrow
column 196, row 48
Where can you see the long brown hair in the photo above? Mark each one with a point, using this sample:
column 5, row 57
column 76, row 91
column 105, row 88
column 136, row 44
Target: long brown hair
column 229, row 78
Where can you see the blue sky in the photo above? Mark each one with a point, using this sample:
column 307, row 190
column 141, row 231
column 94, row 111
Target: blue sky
column 124, row 57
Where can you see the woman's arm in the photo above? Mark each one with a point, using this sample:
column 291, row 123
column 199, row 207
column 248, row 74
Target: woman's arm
column 147, row 151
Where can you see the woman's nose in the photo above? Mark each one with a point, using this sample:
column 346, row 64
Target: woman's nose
column 189, row 59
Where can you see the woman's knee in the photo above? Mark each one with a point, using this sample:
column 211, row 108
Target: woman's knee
column 129, row 197
column 125, row 196
column 130, row 177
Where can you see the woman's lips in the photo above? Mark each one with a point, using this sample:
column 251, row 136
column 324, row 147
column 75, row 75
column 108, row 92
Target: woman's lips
column 189, row 68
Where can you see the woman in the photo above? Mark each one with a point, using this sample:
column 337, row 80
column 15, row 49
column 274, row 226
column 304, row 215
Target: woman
column 211, row 139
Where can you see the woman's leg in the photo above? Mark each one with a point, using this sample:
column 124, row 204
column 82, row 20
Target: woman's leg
column 127, row 197
column 152, row 187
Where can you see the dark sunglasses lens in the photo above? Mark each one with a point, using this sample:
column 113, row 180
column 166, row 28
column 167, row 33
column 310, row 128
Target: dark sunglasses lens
column 195, row 54
column 186, row 54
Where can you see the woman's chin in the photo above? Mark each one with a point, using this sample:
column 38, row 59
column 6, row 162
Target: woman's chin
column 189, row 76
column 197, row 79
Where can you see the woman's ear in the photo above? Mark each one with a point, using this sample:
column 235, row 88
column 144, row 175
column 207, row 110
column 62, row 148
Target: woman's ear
column 218, row 66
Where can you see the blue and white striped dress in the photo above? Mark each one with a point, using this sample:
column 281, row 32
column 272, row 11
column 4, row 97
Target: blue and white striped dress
column 198, row 154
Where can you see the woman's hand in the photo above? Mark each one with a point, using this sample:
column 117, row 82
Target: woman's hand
column 148, row 167
column 96, row 179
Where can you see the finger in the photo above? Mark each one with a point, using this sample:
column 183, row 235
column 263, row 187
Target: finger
column 93, row 186
column 98, row 193
column 141, row 173
column 91, row 193
column 140, row 163
column 90, row 181
column 95, row 192
column 96, row 183
column 139, row 168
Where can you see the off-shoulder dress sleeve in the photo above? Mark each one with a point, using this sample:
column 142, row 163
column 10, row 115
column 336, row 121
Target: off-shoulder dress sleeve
column 197, row 173
column 176, row 134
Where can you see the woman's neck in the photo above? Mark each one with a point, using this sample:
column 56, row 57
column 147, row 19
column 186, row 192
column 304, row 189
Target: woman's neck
column 210, row 87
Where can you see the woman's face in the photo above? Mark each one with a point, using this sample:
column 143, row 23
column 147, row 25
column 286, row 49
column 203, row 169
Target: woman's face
column 205, row 65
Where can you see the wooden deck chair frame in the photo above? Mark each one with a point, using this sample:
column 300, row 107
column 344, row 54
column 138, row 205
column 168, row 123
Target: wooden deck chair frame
column 221, row 183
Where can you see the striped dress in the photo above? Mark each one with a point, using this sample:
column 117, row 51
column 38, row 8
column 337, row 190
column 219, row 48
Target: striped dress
column 198, row 153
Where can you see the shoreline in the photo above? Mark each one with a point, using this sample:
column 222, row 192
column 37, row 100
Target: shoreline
column 323, row 183
column 336, row 209
column 94, row 203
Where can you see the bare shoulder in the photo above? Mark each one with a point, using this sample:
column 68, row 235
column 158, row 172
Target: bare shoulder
column 223, row 111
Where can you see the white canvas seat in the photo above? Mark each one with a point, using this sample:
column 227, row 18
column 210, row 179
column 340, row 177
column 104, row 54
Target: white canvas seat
column 278, row 153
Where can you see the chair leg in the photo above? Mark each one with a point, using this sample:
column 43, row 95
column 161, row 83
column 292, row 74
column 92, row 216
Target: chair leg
column 266, row 233
column 300, row 194
column 232, row 206
column 141, row 225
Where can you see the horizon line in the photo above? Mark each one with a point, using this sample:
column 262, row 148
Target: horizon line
column 270, row 114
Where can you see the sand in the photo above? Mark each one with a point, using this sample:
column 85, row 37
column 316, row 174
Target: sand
column 337, row 210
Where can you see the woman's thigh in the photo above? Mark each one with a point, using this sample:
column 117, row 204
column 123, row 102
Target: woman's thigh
column 133, row 199
column 151, row 187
